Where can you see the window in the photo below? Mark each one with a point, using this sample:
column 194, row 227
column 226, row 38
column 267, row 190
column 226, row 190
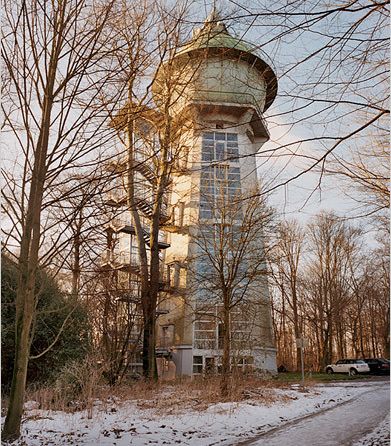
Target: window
column 221, row 334
column 218, row 146
column 197, row 365
column 220, row 173
column 205, row 333
column 243, row 364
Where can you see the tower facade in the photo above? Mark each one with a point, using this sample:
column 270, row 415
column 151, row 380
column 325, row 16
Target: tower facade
column 221, row 91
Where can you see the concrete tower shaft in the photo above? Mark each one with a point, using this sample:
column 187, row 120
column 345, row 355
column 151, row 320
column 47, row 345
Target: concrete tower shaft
column 216, row 90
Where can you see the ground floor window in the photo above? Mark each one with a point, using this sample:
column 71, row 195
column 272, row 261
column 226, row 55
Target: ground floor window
column 209, row 365
column 197, row 365
column 243, row 363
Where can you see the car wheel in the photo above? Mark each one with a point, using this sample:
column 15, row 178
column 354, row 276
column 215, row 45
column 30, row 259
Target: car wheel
column 329, row 370
column 353, row 372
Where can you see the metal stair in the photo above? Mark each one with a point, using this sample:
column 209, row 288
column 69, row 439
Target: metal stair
column 145, row 170
column 146, row 209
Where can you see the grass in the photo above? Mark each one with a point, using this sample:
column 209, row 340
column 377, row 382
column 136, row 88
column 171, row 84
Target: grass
column 174, row 396
column 168, row 397
column 291, row 377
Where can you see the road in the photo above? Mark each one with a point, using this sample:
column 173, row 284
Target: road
column 342, row 425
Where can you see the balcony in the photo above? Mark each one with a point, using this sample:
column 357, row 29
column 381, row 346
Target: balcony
column 115, row 200
column 128, row 297
column 121, row 262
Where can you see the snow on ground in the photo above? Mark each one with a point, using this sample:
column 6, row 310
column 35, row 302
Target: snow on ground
column 378, row 437
column 143, row 423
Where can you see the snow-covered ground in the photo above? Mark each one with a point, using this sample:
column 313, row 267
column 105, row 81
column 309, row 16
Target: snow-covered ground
column 148, row 422
column 380, row 436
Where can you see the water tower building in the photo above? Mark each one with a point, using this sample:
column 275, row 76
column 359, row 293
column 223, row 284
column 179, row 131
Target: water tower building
column 223, row 89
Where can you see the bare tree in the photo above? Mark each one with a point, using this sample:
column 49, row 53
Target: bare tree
column 366, row 176
column 333, row 89
column 228, row 272
column 51, row 53
column 342, row 287
column 151, row 136
column 286, row 259
column 335, row 250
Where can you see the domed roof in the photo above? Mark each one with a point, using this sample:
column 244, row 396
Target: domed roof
column 214, row 34
column 214, row 38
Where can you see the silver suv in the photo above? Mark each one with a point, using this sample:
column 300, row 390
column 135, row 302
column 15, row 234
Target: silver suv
column 351, row 366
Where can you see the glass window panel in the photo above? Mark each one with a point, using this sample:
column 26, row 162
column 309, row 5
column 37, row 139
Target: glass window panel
column 206, row 180
column 208, row 136
column 205, row 175
column 208, row 190
column 234, row 184
column 233, row 176
column 204, row 325
column 221, row 172
column 219, row 136
column 205, row 335
column 197, row 360
column 232, row 153
column 220, row 151
column 206, row 345
column 232, row 136
column 207, row 154
column 205, row 213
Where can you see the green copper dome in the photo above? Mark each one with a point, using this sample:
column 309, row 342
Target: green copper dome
column 214, row 34
column 214, row 38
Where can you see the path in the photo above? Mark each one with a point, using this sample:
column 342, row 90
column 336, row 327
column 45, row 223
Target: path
column 342, row 425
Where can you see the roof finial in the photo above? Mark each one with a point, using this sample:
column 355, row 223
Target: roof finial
column 213, row 23
column 214, row 15
column 214, row 19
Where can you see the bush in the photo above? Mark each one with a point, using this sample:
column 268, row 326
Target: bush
column 52, row 309
column 76, row 384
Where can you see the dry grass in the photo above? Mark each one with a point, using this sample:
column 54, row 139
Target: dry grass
column 196, row 394
column 86, row 392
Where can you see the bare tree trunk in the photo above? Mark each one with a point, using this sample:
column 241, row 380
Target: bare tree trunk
column 76, row 256
column 149, row 357
column 28, row 263
column 225, row 384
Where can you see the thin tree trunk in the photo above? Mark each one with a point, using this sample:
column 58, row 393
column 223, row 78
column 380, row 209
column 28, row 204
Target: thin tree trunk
column 225, row 384
column 28, row 263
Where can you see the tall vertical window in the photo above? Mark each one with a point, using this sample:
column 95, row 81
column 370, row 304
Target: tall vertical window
column 220, row 171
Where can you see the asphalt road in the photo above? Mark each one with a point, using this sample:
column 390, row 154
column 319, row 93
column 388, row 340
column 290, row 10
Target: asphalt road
column 341, row 425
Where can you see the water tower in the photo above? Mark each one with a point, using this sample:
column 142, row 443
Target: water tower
column 217, row 89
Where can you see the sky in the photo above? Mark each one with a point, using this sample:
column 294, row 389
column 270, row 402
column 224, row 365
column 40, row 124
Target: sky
column 310, row 193
column 304, row 197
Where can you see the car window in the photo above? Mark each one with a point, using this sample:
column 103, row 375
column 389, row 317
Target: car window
column 360, row 361
column 341, row 361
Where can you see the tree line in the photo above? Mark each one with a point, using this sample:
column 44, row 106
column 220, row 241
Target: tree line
column 331, row 289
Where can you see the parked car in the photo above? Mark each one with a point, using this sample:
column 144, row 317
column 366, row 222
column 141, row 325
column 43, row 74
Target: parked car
column 378, row 366
column 351, row 366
